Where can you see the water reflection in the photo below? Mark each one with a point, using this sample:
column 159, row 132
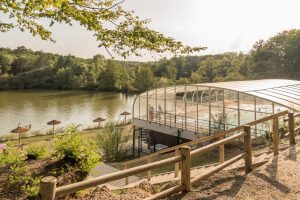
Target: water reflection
column 80, row 107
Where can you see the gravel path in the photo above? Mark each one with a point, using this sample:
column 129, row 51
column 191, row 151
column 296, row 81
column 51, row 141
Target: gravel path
column 278, row 179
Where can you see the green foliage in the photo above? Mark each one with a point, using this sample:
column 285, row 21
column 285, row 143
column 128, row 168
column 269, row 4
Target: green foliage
column 112, row 26
column 17, row 172
column 36, row 152
column 113, row 143
column 22, row 68
column 277, row 56
column 18, row 176
column 31, row 186
column 144, row 79
column 77, row 151
column 11, row 156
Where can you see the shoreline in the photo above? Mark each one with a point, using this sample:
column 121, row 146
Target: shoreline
column 14, row 137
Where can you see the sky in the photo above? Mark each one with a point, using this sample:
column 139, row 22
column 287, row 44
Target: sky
column 221, row 26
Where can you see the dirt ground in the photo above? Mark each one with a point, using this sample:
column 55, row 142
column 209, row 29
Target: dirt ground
column 141, row 191
column 278, row 179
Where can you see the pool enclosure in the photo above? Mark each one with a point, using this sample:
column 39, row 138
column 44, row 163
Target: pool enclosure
column 195, row 110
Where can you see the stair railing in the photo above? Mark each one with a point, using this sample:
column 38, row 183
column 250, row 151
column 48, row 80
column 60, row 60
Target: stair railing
column 49, row 191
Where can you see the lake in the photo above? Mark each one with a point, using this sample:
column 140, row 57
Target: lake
column 79, row 107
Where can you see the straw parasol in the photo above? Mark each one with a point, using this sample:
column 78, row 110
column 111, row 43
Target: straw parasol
column 53, row 123
column 20, row 130
column 99, row 120
column 125, row 113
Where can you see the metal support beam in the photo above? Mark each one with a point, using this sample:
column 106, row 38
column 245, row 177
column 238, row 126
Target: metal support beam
column 165, row 106
column 147, row 106
column 175, row 105
column 239, row 113
column 139, row 107
column 133, row 141
column 197, row 122
column 185, row 105
column 209, row 111
column 156, row 104
column 255, row 116
column 224, row 115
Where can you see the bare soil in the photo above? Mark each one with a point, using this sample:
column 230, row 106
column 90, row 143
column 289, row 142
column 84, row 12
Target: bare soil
column 36, row 168
column 276, row 180
column 138, row 192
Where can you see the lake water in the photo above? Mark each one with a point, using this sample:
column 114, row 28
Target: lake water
column 79, row 107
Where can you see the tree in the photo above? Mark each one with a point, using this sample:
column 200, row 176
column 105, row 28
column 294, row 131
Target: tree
column 144, row 79
column 5, row 63
column 277, row 56
column 112, row 26
column 207, row 69
column 110, row 79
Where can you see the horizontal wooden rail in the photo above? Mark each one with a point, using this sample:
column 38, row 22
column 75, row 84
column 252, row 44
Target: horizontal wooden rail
column 166, row 193
column 49, row 191
column 215, row 169
column 264, row 119
column 194, row 142
column 216, row 144
column 297, row 114
column 218, row 168
column 206, row 138
column 114, row 176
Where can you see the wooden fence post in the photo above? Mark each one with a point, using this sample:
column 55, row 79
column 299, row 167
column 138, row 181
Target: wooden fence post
column 149, row 171
column 186, row 168
column 176, row 164
column 47, row 188
column 275, row 136
column 292, row 128
column 126, row 178
column 248, row 149
column 221, row 152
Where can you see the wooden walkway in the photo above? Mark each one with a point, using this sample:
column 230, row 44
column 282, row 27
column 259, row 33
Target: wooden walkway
column 196, row 171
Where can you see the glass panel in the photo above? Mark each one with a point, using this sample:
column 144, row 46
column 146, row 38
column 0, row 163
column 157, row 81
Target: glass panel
column 230, row 118
column 263, row 106
column 246, row 102
column 231, row 100
column 143, row 108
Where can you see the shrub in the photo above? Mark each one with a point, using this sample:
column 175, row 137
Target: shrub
column 11, row 156
column 113, row 143
column 31, row 186
column 36, row 152
column 77, row 151
column 18, row 176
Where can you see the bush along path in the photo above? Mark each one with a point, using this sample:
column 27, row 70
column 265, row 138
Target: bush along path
column 72, row 159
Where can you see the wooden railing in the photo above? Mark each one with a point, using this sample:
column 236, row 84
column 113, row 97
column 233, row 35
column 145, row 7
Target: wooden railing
column 183, row 154
column 151, row 157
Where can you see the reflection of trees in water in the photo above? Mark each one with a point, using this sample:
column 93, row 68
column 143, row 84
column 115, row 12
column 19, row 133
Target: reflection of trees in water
column 38, row 107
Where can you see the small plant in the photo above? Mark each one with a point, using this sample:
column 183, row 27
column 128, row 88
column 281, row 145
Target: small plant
column 36, row 152
column 11, row 156
column 77, row 151
column 113, row 143
column 17, row 173
column 31, row 186
column 18, row 177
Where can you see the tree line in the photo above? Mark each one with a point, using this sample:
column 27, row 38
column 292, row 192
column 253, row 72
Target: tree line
column 22, row 68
